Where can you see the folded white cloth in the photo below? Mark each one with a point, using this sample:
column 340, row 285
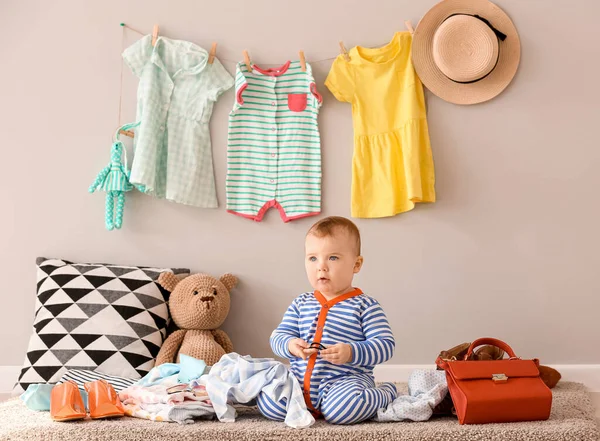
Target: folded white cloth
column 154, row 403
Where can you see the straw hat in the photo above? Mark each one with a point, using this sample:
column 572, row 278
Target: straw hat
column 466, row 51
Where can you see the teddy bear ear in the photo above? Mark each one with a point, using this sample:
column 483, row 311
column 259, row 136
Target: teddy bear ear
column 229, row 280
column 168, row 281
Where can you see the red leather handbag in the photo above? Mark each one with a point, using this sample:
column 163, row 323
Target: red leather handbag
column 496, row 391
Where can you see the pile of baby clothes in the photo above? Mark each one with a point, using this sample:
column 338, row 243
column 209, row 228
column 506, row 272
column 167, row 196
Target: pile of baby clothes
column 167, row 394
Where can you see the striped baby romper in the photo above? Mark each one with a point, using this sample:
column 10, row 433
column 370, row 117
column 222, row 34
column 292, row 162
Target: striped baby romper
column 342, row 394
column 274, row 148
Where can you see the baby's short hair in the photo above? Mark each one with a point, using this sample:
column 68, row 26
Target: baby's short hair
column 327, row 226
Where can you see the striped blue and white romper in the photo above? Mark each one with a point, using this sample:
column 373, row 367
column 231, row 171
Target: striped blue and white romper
column 342, row 394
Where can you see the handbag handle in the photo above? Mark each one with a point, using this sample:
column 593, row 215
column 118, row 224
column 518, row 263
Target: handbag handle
column 490, row 341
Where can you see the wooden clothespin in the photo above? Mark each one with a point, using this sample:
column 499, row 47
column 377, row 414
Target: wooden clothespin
column 154, row 34
column 302, row 61
column 212, row 53
column 247, row 61
column 409, row 26
column 127, row 133
column 344, row 51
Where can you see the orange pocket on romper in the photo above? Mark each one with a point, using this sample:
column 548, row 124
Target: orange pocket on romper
column 297, row 102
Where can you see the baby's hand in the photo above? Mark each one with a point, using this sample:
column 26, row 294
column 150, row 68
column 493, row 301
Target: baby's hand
column 340, row 353
column 296, row 346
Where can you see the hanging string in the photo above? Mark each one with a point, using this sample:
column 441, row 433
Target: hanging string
column 237, row 61
column 277, row 64
column 121, row 82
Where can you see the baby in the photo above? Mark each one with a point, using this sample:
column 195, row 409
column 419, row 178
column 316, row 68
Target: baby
column 335, row 335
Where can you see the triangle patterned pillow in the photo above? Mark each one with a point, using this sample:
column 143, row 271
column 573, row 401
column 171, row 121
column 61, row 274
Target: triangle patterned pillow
column 108, row 318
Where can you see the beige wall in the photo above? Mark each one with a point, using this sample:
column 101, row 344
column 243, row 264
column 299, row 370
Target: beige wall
column 509, row 250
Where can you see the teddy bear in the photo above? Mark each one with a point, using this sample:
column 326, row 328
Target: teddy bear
column 198, row 305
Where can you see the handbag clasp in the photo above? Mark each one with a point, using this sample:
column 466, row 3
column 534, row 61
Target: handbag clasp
column 499, row 378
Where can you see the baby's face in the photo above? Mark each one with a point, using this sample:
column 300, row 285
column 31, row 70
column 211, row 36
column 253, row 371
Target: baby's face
column 331, row 262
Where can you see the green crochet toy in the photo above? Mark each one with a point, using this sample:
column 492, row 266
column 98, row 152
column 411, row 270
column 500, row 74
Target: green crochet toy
column 114, row 180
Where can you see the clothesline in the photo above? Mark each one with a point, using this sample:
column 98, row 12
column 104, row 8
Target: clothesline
column 130, row 133
column 237, row 61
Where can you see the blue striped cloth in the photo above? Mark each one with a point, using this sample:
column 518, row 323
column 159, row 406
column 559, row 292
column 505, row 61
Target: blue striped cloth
column 241, row 379
column 81, row 376
column 358, row 321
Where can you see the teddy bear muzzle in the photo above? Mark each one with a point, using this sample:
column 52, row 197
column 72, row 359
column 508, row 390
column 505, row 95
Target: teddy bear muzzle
column 208, row 300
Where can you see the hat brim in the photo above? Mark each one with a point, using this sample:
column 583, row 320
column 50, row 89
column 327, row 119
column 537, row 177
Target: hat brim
column 442, row 86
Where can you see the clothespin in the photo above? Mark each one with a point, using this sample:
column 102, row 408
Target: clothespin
column 344, row 51
column 127, row 133
column 154, row 34
column 247, row 61
column 409, row 26
column 212, row 53
column 302, row 61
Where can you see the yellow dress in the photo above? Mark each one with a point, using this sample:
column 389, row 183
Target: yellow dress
column 392, row 165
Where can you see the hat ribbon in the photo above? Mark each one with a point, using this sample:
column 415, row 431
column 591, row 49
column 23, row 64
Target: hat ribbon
column 501, row 36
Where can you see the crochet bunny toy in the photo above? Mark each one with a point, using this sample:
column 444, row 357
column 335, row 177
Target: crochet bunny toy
column 114, row 180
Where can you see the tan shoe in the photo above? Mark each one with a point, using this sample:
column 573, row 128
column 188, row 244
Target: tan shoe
column 103, row 401
column 549, row 376
column 456, row 353
column 488, row 352
column 66, row 403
